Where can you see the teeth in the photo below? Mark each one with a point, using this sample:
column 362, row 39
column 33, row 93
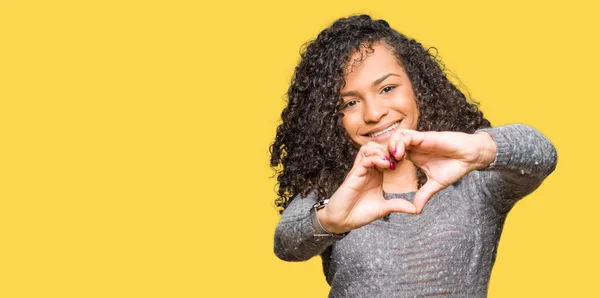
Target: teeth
column 392, row 127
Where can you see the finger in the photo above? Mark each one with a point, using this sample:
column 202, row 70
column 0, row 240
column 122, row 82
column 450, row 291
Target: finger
column 401, row 143
column 379, row 150
column 375, row 161
column 414, row 138
column 400, row 150
column 393, row 142
column 399, row 205
column 366, row 151
column 370, row 149
column 425, row 193
column 402, row 140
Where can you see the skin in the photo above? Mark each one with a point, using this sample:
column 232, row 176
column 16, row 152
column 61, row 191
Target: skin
column 377, row 95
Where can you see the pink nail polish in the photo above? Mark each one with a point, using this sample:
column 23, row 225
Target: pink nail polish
column 392, row 165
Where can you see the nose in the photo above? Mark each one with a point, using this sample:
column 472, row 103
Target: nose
column 373, row 111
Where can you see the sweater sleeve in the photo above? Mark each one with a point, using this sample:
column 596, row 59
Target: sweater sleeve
column 294, row 235
column 524, row 158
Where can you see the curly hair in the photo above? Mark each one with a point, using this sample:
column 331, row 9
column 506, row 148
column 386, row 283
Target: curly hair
column 312, row 151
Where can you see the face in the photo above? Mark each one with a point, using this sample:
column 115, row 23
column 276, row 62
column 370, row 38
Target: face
column 377, row 98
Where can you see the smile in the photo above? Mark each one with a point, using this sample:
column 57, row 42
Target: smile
column 389, row 129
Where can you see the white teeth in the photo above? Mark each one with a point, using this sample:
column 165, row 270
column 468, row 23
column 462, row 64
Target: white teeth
column 392, row 127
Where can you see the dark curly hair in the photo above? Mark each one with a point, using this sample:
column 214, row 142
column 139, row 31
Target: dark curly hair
column 312, row 151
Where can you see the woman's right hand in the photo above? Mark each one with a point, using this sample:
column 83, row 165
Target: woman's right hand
column 359, row 200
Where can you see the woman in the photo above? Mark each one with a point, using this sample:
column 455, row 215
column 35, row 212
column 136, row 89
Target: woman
column 389, row 173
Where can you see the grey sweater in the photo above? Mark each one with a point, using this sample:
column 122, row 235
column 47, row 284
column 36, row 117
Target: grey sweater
column 446, row 251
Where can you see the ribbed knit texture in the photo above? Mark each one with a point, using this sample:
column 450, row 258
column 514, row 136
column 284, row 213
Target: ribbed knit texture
column 446, row 251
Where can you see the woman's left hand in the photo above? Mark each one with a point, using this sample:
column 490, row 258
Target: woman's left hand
column 445, row 157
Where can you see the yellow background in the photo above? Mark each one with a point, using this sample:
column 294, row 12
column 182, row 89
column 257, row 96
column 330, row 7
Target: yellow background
column 135, row 134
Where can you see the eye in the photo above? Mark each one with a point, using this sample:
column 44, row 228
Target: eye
column 387, row 89
column 348, row 104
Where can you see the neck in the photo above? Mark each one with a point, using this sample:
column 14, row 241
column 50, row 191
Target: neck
column 402, row 179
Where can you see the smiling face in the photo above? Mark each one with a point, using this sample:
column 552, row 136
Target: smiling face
column 378, row 97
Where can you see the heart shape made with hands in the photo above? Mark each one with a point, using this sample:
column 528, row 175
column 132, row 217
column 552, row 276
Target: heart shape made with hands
column 445, row 157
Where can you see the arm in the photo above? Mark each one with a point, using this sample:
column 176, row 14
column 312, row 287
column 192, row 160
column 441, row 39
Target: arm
column 507, row 162
column 524, row 158
column 294, row 235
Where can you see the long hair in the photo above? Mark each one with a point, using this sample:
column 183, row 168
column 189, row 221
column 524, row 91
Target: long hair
column 312, row 151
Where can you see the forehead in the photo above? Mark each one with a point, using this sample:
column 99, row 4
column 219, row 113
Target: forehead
column 371, row 61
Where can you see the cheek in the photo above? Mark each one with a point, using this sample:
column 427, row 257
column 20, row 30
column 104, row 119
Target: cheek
column 415, row 117
column 351, row 127
column 411, row 104
column 347, row 124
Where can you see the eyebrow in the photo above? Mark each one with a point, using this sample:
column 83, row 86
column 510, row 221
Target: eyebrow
column 375, row 83
column 378, row 81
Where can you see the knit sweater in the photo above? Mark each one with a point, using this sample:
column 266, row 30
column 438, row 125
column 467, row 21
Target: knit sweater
column 446, row 251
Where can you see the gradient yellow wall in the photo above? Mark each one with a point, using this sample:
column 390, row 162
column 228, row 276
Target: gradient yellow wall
column 134, row 139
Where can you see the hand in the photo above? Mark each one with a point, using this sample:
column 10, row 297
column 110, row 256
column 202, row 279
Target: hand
column 359, row 200
column 445, row 157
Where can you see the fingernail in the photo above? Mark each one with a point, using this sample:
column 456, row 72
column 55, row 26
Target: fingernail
column 394, row 153
column 392, row 165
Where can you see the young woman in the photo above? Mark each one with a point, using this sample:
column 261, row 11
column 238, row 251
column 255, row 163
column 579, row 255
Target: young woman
column 387, row 171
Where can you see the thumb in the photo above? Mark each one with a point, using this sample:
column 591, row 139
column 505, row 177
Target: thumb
column 398, row 205
column 425, row 193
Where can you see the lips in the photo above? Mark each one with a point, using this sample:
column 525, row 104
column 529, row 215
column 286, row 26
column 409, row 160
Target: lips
column 383, row 131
